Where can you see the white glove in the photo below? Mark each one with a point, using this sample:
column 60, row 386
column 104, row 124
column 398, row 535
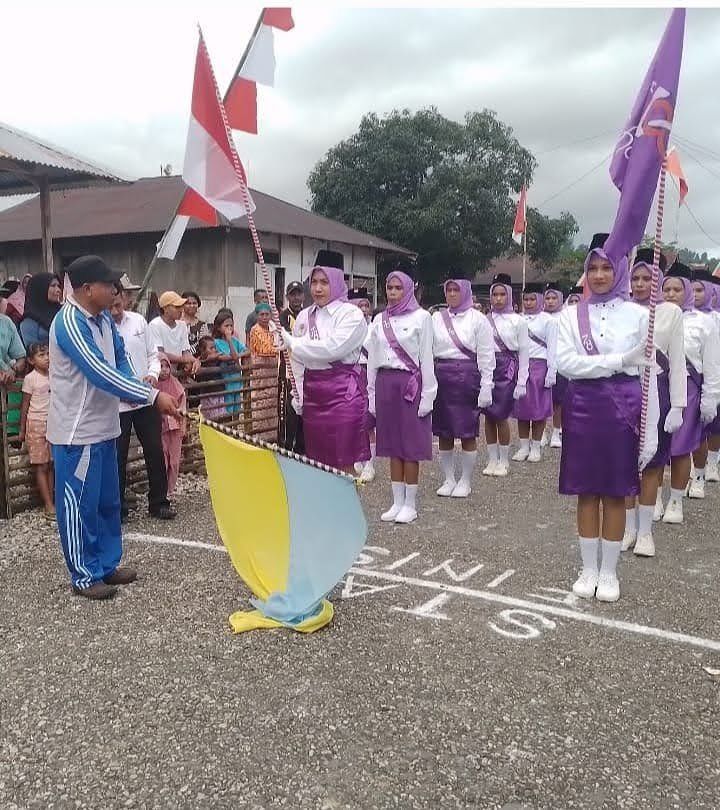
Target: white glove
column 485, row 398
column 646, row 454
column 708, row 410
column 520, row 391
column 424, row 409
column 674, row 420
column 296, row 406
column 636, row 357
column 550, row 379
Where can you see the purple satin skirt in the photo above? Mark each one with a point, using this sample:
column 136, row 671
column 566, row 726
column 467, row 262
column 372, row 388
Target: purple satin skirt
column 400, row 433
column 536, row 405
column 455, row 413
column 689, row 437
column 369, row 418
column 713, row 429
column 558, row 390
column 600, row 427
column 662, row 456
column 334, row 413
column 505, row 380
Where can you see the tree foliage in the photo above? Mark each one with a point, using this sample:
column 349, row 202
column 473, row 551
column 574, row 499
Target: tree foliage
column 439, row 187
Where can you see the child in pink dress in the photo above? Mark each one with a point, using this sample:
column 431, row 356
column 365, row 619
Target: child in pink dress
column 33, row 421
column 173, row 428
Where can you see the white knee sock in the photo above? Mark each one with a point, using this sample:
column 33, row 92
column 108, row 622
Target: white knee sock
column 699, row 474
column 447, row 463
column 411, row 495
column 631, row 520
column 525, row 444
column 468, row 459
column 589, row 552
column 492, row 452
column 610, row 556
column 676, row 495
column 645, row 519
column 713, row 456
column 535, row 445
column 503, row 451
column 372, row 452
column 398, row 491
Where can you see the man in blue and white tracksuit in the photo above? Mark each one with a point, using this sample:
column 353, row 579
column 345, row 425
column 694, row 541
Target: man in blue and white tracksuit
column 89, row 376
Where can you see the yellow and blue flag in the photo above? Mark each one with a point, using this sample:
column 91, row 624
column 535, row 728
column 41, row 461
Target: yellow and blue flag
column 292, row 530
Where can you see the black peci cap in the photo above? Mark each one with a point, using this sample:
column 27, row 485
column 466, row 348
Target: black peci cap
column 646, row 256
column 680, row 270
column 702, row 275
column 89, row 269
column 329, row 258
column 502, row 278
column 598, row 241
column 533, row 287
column 358, row 294
column 553, row 285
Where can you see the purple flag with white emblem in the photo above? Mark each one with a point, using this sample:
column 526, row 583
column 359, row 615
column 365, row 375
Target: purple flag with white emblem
column 643, row 144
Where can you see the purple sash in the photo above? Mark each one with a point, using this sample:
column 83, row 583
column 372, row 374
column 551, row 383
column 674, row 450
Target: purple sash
column 413, row 386
column 662, row 361
column 499, row 342
column 536, row 339
column 459, row 345
column 312, row 324
column 694, row 374
column 583, row 318
column 353, row 371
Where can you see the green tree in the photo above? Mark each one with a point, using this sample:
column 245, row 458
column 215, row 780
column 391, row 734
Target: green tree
column 547, row 238
column 439, row 187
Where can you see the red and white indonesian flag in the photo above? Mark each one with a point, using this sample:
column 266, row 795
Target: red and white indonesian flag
column 520, row 218
column 258, row 67
column 676, row 170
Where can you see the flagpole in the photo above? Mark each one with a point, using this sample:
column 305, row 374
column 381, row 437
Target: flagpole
column 151, row 267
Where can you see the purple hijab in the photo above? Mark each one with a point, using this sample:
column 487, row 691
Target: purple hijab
column 621, row 278
column 466, row 299
column 716, row 297
column 661, row 279
column 539, row 302
column 560, row 296
column 408, row 303
column 508, row 308
column 336, row 279
column 688, row 303
column 709, row 289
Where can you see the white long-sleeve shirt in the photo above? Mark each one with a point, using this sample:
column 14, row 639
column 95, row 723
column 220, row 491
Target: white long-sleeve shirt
column 544, row 326
column 414, row 332
column 341, row 328
column 140, row 348
column 513, row 332
column 474, row 331
column 702, row 350
column 670, row 340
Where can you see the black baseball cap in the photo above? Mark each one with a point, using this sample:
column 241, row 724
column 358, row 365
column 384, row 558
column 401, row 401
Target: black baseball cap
column 89, row 269
column 294, row 286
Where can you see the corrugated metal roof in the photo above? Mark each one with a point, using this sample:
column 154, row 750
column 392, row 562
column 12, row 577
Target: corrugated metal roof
column 147, row 205
column 33, row 156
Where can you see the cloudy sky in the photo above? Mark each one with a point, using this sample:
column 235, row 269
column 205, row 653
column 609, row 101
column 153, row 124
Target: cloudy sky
column 112, row 81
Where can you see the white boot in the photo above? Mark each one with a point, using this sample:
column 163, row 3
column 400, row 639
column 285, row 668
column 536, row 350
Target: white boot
column 523, row 451
column 674, row 509
column 630, row 535
column 544, row 440
column 556, row 438
column 447, row 463
column 645, row 545
column 585, row 585
column 608, row 587
column 535, row 452
column 398, row 491
column 408, row 513
column 696, row 489
column 503, row 466
column 468, row 459
column 659, row 507
column 492, row 460
column 368, row 472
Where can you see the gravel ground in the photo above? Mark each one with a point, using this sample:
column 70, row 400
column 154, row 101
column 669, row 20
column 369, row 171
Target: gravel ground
column 149, row 701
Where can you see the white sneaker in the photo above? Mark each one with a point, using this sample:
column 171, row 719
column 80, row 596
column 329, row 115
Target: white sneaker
column 490, row 469
column 391, row 513
column 501, row 470
column 368, row 473
column 556, row 441
column 673, row 512
column 535, row 455
column 544, row 440
column 645, row 546
column 659, row 509
column 522, row 454
column 608, row 588
column 584, row 586
column 358, row 467
column 406, row 515
column 629, row 539
column 446, row 489
column 462, row 489
column 696, row 489
column 712, row 473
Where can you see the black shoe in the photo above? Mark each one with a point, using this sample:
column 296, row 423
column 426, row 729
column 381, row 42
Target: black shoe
column 163, row 513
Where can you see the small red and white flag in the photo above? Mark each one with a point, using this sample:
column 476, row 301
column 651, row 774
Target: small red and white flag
column 676, row 170
column 520, row 218
column 258, row 67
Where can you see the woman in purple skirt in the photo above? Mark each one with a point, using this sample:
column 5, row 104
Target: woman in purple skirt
column 672, row 396
column 510, row 334
column 464, row 364
column 702, row 355
column 534, row 409
column 712, row 473
column 325, row 350
column 401, row 390
column 366, row 470
column 601, row 350
column 553, row 299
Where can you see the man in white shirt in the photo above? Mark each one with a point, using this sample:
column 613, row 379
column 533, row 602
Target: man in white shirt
column 170, row 334
column 143, row 357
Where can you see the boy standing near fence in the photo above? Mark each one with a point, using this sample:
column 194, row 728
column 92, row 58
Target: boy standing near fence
column 173, row 426
column 33, row 421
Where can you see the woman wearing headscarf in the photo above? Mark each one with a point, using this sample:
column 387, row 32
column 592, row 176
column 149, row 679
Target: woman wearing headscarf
column 601, row 350
column 325, row 350
column 401, row 390
column 702, row 355
column 359, row 296
column 672, row 398
column 574, row 296
column 554, row 302
column 43, row 300
column 464, row 364
column 534, row 409
column 510, row 334
column 15, row 307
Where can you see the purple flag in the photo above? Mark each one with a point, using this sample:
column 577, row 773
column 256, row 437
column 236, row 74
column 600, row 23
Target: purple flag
column 643, row 144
